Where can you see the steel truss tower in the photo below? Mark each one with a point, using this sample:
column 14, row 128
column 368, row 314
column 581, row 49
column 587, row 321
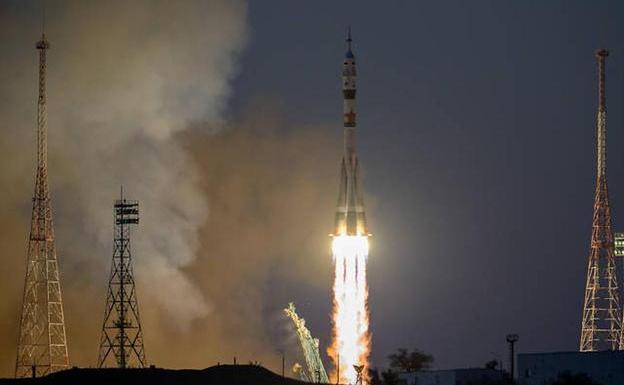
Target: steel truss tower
column 122, row 337
column 42, row 345
column 601, row 327
column 310, row 346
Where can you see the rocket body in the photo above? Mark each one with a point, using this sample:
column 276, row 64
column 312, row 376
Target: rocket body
column 350, row 216
column 351, row 343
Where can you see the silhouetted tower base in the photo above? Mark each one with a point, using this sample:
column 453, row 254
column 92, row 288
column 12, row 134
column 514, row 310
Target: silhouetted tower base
column 42, row 346
column 601, row 326
column 121, row 344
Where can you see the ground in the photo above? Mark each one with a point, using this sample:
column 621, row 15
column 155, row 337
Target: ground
column 216, row 375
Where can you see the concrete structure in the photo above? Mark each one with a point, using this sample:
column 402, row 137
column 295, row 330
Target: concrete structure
column 605, row 368
column 474, row 376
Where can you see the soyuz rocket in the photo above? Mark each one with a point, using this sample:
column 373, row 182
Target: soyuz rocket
column 350, row 216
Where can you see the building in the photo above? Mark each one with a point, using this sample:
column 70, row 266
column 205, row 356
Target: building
column 605, row 367
column 473, row 376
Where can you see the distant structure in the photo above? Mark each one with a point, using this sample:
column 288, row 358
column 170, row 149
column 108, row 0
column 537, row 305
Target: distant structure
column 511, row 340
column 601, row 325
column 42, row 345
column 310, row 346
column 122, row 338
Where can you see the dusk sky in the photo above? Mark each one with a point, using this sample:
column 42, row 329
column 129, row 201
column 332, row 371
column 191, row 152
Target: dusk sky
column 476, row 137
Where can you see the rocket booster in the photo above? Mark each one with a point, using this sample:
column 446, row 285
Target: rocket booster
column 350, row 216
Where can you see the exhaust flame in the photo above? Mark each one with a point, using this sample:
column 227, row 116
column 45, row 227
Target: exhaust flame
column 351, row 338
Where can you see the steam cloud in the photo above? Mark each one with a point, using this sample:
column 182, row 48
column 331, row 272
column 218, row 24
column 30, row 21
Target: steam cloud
column 124, row 78
column 234, row 215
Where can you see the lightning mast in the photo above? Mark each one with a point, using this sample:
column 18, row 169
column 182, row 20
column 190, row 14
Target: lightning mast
column 122, row 337
column 42, row 345
column 601, row 325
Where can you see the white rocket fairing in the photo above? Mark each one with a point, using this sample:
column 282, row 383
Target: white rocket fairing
column 350, row 216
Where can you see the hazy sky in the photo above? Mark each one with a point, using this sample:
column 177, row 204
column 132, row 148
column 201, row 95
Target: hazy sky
column 476, row 138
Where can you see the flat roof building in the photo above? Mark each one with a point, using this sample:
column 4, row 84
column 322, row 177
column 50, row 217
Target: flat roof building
column 473, row 376
column 605, row 368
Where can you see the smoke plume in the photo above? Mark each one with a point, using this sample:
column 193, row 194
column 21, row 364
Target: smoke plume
column 234, row 214
column 123, row 79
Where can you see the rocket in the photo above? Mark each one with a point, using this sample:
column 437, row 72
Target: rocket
column 350, row 216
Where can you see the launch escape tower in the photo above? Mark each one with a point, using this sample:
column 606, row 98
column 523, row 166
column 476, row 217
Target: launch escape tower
column 601, row 325
column 122, row 337
column 42, row 345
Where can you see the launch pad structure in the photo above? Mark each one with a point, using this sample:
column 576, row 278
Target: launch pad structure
column 310, row 346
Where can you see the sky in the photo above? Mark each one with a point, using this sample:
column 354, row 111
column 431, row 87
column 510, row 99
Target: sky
column 475, row 135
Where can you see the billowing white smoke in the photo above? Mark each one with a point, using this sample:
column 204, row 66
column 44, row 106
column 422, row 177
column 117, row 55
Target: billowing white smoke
column 124, row 78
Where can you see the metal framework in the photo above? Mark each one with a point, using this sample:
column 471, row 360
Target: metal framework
column 618, row 244
column 310, row 346
column 121, row 342
column 359, row 369
column 601, row 325
column 42, row 345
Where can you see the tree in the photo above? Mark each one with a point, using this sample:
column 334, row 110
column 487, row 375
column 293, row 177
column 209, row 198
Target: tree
column 404, row 361
column 390, row 377
column 492, row 364
column 373, row 375
column 567, row 378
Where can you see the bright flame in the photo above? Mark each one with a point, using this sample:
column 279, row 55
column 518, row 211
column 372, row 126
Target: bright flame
column 351, row 342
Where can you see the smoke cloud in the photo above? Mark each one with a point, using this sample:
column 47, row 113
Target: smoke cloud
column 124, row 78
column 234, row 215
column 271, row 189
